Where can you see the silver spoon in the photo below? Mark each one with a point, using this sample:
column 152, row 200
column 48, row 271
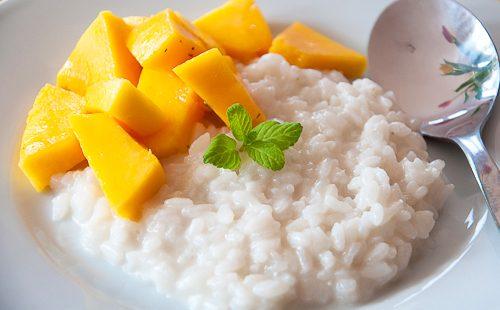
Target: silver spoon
column 443, row 67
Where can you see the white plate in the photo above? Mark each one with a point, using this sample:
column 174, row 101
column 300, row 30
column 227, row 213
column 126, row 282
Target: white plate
column 459, row 268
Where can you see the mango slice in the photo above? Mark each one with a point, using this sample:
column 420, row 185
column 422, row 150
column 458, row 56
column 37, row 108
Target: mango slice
column 48, row 145
column 101, row 54
column 207, row 40
column 231, row 63
column 306, row 48
column 127, row 172
column 211, row 76
column 239, row 27
column 181, row 107
column 165, row 40
column 120, row 99
column 134, row 21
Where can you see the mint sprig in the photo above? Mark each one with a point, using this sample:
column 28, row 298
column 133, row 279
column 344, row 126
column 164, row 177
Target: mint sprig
column 266, row 154
column 283, row 135
column 222, row 153
column 240, row 121
column 264, row 144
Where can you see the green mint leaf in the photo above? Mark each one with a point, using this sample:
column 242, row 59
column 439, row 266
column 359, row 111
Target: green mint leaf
column 239, row 121
column 283, row 135
column 266, row 154
column 222, row 153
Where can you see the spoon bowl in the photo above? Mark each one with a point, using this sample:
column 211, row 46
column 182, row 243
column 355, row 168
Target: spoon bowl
column 443, row 67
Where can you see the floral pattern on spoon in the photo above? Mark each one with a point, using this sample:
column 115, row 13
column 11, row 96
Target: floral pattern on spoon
column 479, row 70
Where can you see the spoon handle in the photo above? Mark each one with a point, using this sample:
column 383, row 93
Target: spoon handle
column 485, row 170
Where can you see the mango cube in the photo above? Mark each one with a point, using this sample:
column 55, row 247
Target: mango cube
column 181, row 107
column 101, row 54
column 48, row 145
column 165, row 40
column 134, row 21
column 120, row 99
column 207, row 40
column 239, row 27
column 127, row 172
column 211, row 76
column 306, row 48
column 231, row 63
column 169, row 140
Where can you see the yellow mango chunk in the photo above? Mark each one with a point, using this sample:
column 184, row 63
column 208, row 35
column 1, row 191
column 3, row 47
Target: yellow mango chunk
column 231, row 63
column 211, row 76
column 239, row 27
column 48, row 145
column 306, row 48
column 129, row 106
column 133, row 21
column 101, row 54
column 127, row 172
column 181, row 107
column 165, row 40
column 169, row 140
column 207, row 40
